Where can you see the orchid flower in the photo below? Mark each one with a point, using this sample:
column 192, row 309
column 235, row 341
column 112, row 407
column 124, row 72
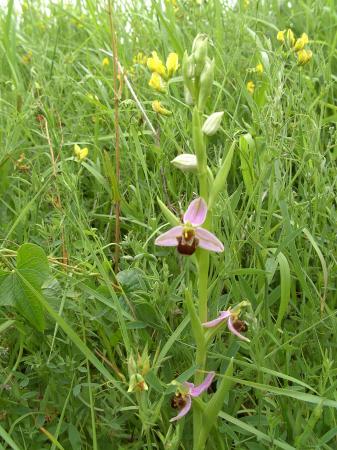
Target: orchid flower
column 183, row 398
column 188, row 236
column 234, row 324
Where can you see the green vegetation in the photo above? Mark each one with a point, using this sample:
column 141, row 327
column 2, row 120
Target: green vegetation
column 71, row 324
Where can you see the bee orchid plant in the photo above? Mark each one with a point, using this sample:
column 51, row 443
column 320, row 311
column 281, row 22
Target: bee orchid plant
column 194, row 236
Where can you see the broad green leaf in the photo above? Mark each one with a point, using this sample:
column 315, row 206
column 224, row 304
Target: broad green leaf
column 27, row 304
column 32, row 266
column 6, row 289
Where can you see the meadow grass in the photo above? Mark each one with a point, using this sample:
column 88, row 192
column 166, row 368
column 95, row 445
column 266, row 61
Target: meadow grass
column 67, row 387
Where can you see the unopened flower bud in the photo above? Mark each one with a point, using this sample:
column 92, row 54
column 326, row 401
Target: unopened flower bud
column 144, row 362
column 132, row 367
column 188, row 96
column 186, row 162
column 188, row 67
column 212, row 123
column 188, row 72
column 200, row 53
column 137, row 383
column 206, row 82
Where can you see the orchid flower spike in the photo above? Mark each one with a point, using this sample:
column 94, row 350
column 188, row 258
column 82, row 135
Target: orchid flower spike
column 188, row 236
column 235, row 325
column 183, row 397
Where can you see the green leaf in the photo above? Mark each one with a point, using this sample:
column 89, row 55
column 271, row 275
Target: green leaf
column 285, row 287
column 169, row 216
column 27, row 303
column 264, row 437
column 6, row 289
column 214, row 406
column 247, row 153
column 6, row 437
column 221, row 177
column 33, row 264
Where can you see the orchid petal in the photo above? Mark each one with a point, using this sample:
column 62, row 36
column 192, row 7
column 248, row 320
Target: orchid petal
column 169, row 239
column 197, row 390
column 196, row 212
column 208, row 241
column 213, row 323
column 234, row 331
column 184, row 410
column 188, row 385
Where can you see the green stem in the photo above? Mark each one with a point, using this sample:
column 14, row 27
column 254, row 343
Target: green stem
column 203, row 284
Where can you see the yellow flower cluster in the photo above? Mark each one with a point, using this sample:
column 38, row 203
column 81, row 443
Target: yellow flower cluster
column 159, row 109
column 259, row 69
column 26, row 59
column 250, row 87
column 161, row 72
column 80, row 153
column 105, row 62
column 297, row 45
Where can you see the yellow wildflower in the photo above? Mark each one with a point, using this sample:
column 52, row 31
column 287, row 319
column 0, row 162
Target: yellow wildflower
column 301, row 42
column 140, row 58
column 159, row 109
column 105, row 61
column 80, row 153
column 250, row 87
column 304, row 56
column 155, row 64
column 27, row 57
column 259, row 68
column 172, row 64
column 280, row 35
column 290, row 37
column 157, row 83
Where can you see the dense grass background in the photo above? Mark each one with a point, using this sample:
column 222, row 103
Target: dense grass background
column 66, row 388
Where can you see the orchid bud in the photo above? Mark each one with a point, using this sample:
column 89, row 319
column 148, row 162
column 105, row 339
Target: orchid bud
column 188, row 73
column 137, row 383
column 186, row 162
column 132, row 367
column 187, row 67
column 188, row 96
column 212, row 123
column 206, row 82
column 200, row 53
column 143, row 362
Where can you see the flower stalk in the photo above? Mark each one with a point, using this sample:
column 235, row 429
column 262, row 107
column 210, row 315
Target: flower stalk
column 193, row 237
